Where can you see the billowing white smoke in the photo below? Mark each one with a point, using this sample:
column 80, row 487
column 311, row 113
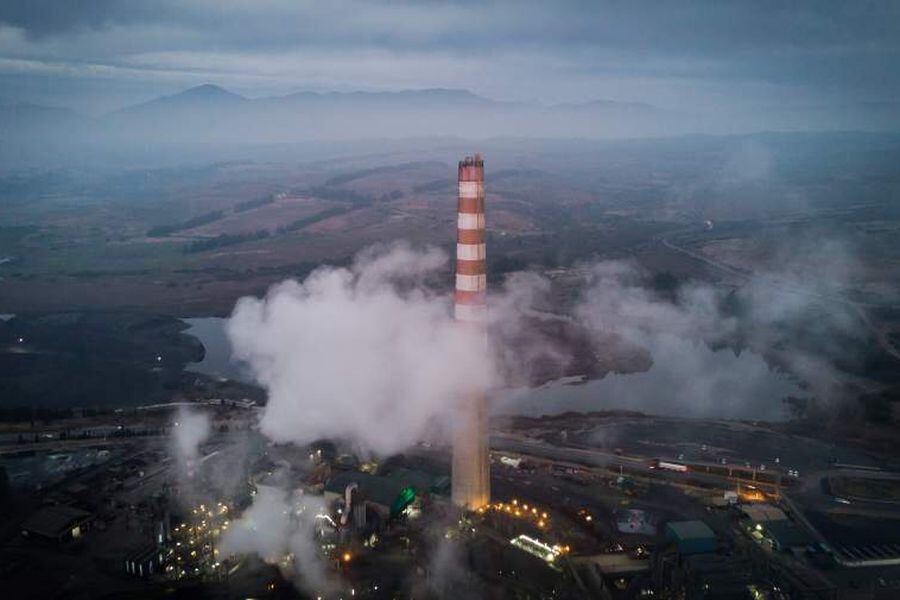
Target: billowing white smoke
column 616, row 299
column 690, row 377
column 364, row 352
column 277, row 525
column 190, row 429
column 518, row 343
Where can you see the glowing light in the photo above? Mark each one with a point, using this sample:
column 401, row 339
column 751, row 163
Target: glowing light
column 536, row 548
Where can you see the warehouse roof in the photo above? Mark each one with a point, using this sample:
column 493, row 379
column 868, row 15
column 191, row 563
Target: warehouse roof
column 786, row 534
column 614, row 563
column 690, row 530
column 380, row 490
column 54, row 521
column 761, row 513
column 383, row 489
column 421, row 480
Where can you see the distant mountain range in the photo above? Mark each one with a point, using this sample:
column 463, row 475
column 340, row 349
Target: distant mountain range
column 214, row 96
column 210, row 116
column 209, row 113
column 202, row 96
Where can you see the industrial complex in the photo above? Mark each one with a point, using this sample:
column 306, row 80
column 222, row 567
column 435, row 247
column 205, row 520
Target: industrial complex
column 512, row 507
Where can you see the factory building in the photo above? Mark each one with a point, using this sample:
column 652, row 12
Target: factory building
column 471, row 462
column 145, row 561
column 714, row 577
column 383, row 495
column 692, row 537
column 765, row 522
column 59, row 523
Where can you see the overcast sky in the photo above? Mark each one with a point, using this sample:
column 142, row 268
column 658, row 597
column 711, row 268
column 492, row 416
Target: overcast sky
column 97, row 55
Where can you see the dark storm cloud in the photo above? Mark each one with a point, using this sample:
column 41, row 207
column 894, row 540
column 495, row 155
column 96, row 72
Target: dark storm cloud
column 47, row 17
column 698, row 27
column 518, row 50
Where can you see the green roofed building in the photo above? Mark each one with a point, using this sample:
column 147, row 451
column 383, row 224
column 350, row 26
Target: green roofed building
column 692, row 537
column 388, row 494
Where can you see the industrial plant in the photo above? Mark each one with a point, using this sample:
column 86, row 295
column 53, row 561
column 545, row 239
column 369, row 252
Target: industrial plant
column 248, row 350
column 192, row 498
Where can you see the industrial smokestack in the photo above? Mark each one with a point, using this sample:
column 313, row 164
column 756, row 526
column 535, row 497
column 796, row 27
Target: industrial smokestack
column 471, row 464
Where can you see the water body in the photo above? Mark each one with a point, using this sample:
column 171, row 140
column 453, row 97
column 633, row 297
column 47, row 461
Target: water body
column 217, row 362
column 687, row 380
column 6, row 317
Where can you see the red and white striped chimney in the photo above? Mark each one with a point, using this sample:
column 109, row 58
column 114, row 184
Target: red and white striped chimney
column 471, row 485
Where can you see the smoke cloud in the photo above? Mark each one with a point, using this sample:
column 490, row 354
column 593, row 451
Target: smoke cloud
column 190, row 429
column 368, row 353
column 780, row 325
column 520, row 337
column 730, row 352
column 278, row 525
column 364, row 352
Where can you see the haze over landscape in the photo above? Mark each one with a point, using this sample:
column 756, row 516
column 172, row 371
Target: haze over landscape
column 235, row 238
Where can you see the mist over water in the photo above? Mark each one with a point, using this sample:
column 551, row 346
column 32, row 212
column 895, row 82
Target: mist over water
column 739, row 387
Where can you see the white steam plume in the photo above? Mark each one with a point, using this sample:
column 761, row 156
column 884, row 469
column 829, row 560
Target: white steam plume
column 363, row 352
column 685, row 337
column 190, row 429
column 277, row 525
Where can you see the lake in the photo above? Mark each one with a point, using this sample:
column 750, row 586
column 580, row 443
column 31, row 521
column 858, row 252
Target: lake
column 217, row 361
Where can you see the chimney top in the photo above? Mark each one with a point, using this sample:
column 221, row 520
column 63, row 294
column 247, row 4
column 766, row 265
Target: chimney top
column 469, row 161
